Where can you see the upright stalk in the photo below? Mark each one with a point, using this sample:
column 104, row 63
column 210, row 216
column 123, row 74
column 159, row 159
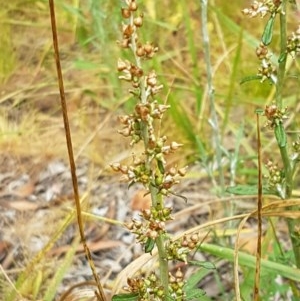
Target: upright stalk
column 156, row 197
column 150, row 167
column 211, row 93
column 293, row 224
column 279, row 101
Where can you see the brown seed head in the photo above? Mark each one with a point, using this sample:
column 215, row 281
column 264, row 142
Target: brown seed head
column 126, row 13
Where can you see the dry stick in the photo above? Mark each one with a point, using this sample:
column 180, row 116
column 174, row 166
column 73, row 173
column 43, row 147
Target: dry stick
column 100, row 294
column 259, row 216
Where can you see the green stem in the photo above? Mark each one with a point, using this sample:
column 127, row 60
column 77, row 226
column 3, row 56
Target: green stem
column 282, row 63
column 158, row 202
column 293, row 224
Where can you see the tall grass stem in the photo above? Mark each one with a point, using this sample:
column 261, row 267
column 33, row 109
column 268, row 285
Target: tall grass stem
column 211, row 93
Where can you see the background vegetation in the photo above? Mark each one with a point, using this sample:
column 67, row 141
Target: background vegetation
column 31, row 123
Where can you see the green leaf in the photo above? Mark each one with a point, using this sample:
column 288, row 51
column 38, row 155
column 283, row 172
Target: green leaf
column 280, row 135
column 126, row 297
column 250, row 78
column 194, row 294
column 248, row 260
column 203, row 264
column 194, row 279
column 247, row 190
column 282, row 57
column 149, row 245
column 268, row 31
column 161, row 167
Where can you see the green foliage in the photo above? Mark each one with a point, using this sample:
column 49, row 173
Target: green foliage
column 248, row 260
column 248, row 190
column 95, row 25
column 268, row 32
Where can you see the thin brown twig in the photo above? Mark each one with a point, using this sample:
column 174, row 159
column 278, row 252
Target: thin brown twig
column 100, row 294
column 259, row 216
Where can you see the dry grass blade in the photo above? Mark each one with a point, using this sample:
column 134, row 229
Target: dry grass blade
column 259, row 224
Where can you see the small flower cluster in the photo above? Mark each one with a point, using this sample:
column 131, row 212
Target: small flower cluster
column 166, row 180
column 148, row 288
column 176, row 285
column 267, row 70
column 138, row 172
column 274, row 115
column 145, row 113
column 262, row 8
column 276, row 175
column 293, row 43
column 179, row 249
column 152, row 225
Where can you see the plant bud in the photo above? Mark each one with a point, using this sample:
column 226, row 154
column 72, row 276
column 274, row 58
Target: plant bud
column 153, row 234
column 126, row 13
column 127, row 31
column 140, row 51
column 133, row 6
column 191, row 245
column 146, row 214
column 122, row 65
column 125, row 43
column 148, row 48
column 179, row 274
column 153, row 277
column 194, row 238
column 174, row 145
column 138, row 22
column 172, row 171
column 184, row 243
column 182, row 171
column 172, row 279
column 124, row 119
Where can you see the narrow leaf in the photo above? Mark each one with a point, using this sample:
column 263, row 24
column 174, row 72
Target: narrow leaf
column 161, row 167
column 268, row 32
column 195, row 278
column 194, row 294
column 203, row 264
column 149, row 245
column 250, row 78
column 280, row 135
column 282, row 57
column 247, row 190
column 248, row 260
